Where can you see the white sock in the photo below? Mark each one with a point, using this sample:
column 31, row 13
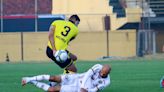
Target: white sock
column 40, row 77
column 41, row 85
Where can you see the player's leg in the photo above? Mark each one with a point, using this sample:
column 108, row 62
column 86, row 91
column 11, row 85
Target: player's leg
column 69, row 88
column 83, row 90
column 71, row 68
column 49, row 53
column 64, row 88
column 54, row 89
column 68, row 66
column 26, row 80
column 72, row 56
column 55, row 79
column 46, row 87
column 69, row 84
column 40, row 85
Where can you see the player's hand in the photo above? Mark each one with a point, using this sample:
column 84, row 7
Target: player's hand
column 100, row 87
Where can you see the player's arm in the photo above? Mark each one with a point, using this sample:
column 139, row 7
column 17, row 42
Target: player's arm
column 100, row 86
column 51, row 37
column 89, row 73
column 95, row 89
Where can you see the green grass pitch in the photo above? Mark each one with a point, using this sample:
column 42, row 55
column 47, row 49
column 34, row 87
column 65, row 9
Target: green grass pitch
column 126, row 76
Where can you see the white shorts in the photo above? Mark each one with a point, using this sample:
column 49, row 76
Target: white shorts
column 70, row 83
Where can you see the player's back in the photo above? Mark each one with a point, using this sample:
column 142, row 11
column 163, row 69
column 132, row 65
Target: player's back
column 64, row 32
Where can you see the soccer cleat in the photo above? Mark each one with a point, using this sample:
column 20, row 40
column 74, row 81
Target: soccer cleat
column 25, row 81
column 162, row 83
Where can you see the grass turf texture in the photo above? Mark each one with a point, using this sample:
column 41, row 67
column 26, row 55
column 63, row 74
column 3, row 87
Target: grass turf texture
column 126, row 76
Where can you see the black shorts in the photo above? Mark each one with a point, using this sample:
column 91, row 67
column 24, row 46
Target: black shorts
column 49, row 53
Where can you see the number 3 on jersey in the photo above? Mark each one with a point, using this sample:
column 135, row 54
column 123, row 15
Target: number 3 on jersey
column 66, row 31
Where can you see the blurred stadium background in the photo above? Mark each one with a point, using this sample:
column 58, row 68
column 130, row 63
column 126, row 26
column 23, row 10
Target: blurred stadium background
column 135, row 44
column 136, row 27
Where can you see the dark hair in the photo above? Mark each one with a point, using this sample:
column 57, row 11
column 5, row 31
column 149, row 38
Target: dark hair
column 75, row 16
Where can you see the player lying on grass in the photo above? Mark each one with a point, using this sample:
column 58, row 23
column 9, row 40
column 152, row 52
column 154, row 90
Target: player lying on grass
column 95, row 79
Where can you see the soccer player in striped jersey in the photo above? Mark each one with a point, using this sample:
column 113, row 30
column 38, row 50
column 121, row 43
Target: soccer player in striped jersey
column 61, row 32
column 94, row 80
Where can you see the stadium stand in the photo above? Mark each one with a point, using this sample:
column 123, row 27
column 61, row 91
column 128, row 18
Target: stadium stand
column 27, row 23
column 26, row 7
column 158, row 7
column 21, row 15
column 151, row 18
column 125, row 22
column 118, row 7
column 44, row 6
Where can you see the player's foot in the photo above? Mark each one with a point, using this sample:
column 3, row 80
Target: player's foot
column 162, row 83
column 25, row 80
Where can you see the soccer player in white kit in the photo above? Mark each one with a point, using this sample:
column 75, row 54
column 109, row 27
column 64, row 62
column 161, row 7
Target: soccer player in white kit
column 95, row 79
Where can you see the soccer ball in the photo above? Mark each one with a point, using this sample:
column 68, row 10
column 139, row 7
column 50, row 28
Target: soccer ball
column 61, row 56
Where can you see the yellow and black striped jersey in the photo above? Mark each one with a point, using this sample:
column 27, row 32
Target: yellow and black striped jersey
column 65, row 31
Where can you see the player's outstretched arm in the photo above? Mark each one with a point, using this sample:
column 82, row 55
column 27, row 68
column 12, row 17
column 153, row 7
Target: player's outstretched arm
column 96, row 68
column 87, row 75
column 51, row 37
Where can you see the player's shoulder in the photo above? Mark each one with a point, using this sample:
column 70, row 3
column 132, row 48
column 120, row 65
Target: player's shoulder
column 72, row 25
column 97, row 66
column 57, row 22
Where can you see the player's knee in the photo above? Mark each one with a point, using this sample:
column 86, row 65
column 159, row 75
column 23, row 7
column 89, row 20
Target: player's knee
column 52, row 89
column 72, row 68
column 73, row 57
column 52, row 78
column 55, row 78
